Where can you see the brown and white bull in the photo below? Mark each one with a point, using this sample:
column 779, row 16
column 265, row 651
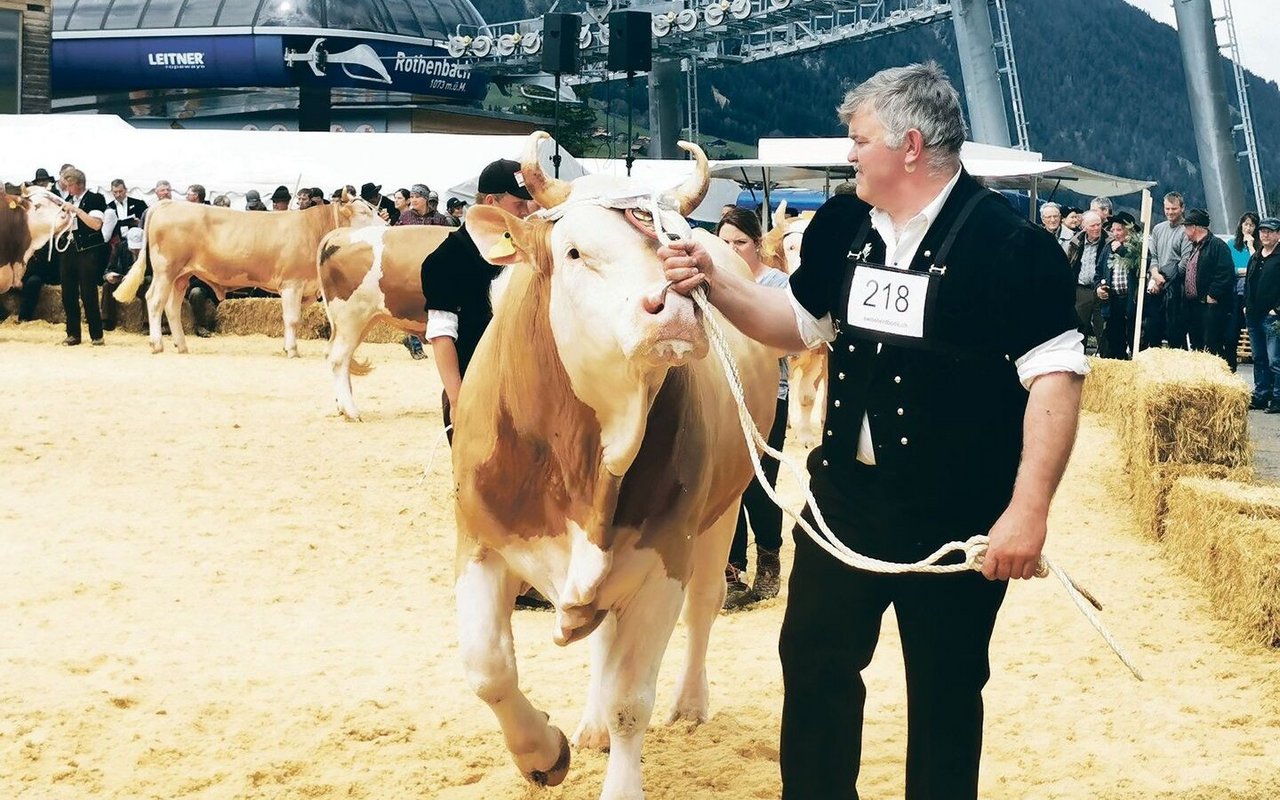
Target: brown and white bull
column 368, row 275
column 808, row 370
column 232, row 249
column 598, row 457
column 27, row 222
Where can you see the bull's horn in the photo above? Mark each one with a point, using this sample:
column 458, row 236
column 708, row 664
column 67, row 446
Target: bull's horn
column 689, row 195
column 549, row 192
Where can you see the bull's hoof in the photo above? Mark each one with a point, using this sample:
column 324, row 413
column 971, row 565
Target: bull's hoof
column 553, row 776
column 157, row 347
column 591, row 735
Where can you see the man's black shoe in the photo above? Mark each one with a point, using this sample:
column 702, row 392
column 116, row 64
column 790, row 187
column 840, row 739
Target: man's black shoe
column 1274, row 408
column 414, row 345
column 1257, row 404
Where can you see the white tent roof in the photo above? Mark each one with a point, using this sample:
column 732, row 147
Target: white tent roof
column 231, row 162
column 813, row 163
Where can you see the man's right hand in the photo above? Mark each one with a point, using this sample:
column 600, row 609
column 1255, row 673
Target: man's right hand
column 687, row 265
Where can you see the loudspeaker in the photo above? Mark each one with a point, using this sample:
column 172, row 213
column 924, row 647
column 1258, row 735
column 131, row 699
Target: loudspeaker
column 630, row 41
column 560, row 42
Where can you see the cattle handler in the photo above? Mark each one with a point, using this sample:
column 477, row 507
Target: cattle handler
column 956, row 372
column 455, row 281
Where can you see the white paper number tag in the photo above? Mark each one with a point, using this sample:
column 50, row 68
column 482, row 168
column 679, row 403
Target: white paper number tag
column 888, row 301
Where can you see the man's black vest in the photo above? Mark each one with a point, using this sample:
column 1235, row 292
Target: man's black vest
column 946, row 414
column 84, row 237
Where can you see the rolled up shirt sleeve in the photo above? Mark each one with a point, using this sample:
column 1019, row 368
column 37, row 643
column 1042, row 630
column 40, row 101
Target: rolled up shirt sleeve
column 812, row 330
column 1062, row 353
column 441, row 323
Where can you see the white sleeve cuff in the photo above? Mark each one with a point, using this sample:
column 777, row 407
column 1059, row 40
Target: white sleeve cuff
column 812, row 330
column 442, row 323
column 1062, row 353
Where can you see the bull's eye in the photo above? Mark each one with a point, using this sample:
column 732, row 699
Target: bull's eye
column 574, row 254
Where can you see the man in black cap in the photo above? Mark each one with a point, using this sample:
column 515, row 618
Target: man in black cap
column 371, row 193
column 1209, row 285
column 1262, row 316
column 280, row 199
column 456, row 278
column 455, row 281
column 42, row 178
column 456, row 207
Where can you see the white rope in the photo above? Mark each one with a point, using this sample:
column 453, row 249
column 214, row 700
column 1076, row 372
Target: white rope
column 432, row 460
column 974, row 548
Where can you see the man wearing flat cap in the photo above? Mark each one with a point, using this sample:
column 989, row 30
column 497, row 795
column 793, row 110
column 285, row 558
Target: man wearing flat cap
column 253, row 201
column 371, row 193
column 1209, row 285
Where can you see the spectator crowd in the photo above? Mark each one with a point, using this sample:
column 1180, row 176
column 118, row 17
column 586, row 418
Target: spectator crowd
column 1202, row 290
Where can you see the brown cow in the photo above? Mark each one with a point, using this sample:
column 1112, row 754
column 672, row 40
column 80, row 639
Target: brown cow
column 598, row 457
column 232, row 249
column 366, row 275
column 27, row 222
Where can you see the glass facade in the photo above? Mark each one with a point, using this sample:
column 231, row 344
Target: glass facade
column 10, row 61
column 433, row 19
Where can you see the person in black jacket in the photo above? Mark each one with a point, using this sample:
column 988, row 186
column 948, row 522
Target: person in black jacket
column 84, row 260
column 955, row 388
column 1262, row 315
column 1209, row 286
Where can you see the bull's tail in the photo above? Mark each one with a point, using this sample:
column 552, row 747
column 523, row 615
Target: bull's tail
column 360, row 366
column 128, row 288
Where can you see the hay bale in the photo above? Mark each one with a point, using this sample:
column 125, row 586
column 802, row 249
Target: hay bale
column 1183, row 408
column 1226, row 534
column 1149, row 490
column 1101, row 393
column 265, row 315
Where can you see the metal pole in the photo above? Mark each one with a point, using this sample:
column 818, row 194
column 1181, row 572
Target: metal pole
column 555, row 158
column 987, row 120
column 1223, row 189
column 664, row 108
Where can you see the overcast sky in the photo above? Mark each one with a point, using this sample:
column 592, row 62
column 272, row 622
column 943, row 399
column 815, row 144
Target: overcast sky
column 1257, row 25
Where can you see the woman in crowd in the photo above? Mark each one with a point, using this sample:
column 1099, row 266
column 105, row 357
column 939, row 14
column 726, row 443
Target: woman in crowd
column 401, row 198
column 1242, row 248
column 740, row 229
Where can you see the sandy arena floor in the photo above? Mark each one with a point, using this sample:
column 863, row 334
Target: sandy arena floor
column 213, row 588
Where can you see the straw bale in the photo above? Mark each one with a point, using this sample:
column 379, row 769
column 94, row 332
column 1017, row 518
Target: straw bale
column 1183, row 408
column 1149, row 490
column 1226, row 534
column 1101, row 388
column 265, row 315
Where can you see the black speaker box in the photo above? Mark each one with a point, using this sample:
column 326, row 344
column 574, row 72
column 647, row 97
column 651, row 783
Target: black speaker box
column 630, row 41
column 560, row 42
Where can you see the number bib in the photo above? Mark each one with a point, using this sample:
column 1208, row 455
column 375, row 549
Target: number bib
column 889, row 301
column 892, row 305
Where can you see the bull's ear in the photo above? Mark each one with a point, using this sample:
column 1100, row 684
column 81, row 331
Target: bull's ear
column 502, row 239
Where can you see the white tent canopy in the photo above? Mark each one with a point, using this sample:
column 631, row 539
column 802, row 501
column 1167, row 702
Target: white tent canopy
column 817, row 162
column 232, row 162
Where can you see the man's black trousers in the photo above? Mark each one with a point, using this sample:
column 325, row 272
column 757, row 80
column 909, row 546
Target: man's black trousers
column 832, row 625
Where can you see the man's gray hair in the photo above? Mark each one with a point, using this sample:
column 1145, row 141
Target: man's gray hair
column 1102, row 202
column 1091, row 216
column 916, row 96
column 1050, row 206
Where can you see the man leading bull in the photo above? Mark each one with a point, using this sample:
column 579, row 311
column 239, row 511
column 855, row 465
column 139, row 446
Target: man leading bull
column 952, row 409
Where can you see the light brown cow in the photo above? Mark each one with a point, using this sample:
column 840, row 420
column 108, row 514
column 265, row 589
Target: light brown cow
column 232, row 249
column 366, row 275
column 808, row 370
column 598, row 457
column 27, row 222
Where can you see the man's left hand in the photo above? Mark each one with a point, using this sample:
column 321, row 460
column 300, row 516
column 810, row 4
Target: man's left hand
column 1016, row 541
